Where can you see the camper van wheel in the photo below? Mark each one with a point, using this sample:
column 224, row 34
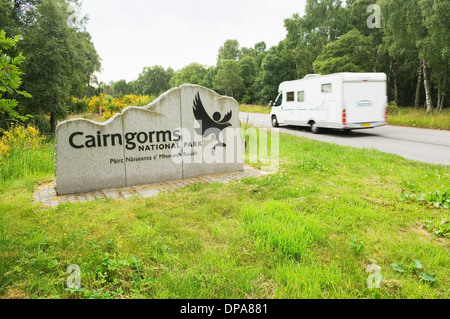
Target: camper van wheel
column 274, row 121
column 314, row 128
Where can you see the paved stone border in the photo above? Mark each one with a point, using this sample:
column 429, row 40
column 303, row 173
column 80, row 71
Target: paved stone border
column 46, row 194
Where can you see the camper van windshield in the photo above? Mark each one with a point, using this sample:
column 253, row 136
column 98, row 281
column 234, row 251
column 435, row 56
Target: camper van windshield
column 279, row 100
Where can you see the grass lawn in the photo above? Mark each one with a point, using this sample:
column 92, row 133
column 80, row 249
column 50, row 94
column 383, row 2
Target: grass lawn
column 310, row 230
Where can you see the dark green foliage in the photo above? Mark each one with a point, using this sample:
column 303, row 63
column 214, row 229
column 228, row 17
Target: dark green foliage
column 276, row 68
column 351, row 53
column 193, row 73
column 60, row 58
column 49, row 50
column 10, row 80
column 121, row 88
column 153, row 80
column 228, row 79
column 229, row 51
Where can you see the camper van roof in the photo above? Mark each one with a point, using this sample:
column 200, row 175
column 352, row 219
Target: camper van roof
column 349, row 76
column 345, row 76
column 309, row 76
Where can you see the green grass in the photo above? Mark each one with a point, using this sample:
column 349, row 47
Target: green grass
column 293, row 234
column 25, row 162
column 254, row 108
column 419, row 118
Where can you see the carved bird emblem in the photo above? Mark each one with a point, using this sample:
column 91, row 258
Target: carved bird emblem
column 208, row 125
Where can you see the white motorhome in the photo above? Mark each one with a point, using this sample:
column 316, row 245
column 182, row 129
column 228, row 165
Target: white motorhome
column 344, row 101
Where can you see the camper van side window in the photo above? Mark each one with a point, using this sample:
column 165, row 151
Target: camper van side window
column 301, row 96
column 290, row 97
column 326, row 88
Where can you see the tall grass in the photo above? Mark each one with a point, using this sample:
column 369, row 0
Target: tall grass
column 408, row 116
column 255, row 108
column 25, row 153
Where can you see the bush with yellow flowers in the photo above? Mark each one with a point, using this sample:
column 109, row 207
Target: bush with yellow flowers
column 117, row 105
column 97, row 104
column 23, row 150
column 108, row 114
column 19, row 137
column 107, row 105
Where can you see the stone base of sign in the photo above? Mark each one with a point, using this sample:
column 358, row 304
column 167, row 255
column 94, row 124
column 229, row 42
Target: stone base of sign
column 45, row 194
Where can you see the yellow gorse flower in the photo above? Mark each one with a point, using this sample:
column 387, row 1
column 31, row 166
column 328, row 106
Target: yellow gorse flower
column 110, row 106
column 19, row 137
column 108, row 114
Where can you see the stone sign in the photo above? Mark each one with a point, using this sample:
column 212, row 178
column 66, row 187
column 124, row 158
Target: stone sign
column 187, row 132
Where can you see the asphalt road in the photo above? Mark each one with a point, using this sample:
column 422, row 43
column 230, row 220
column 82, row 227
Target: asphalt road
column 424, row 145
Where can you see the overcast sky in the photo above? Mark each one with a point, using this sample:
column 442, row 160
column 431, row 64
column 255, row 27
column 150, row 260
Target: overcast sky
column 130, row 35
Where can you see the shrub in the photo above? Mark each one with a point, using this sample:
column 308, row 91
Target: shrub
column 108, row 105
column 117, row 104
column 78, row 105
column 23, row 151
column 96, row 103
column 393, row 108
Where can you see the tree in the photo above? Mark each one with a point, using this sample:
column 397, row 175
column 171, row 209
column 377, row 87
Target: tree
column 260, row 47
column 154, row 80
column 435, row 48
column 16, row 14
column 351, row 53
column 211, row 73
column 61, row 58
column 86, row 63
column 278, row 66
column 49, row 46
column 401, row 30
column 121, row 88
column 228, row 78
column 229, row 51
column 249, row 71
column 5, row 16
column 261, row 50
column 10, row 80
column 324, row 22
column 415, row 34
column 193, row 73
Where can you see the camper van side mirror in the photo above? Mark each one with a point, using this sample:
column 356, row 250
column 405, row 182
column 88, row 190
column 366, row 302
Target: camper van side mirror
column 271, row 103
